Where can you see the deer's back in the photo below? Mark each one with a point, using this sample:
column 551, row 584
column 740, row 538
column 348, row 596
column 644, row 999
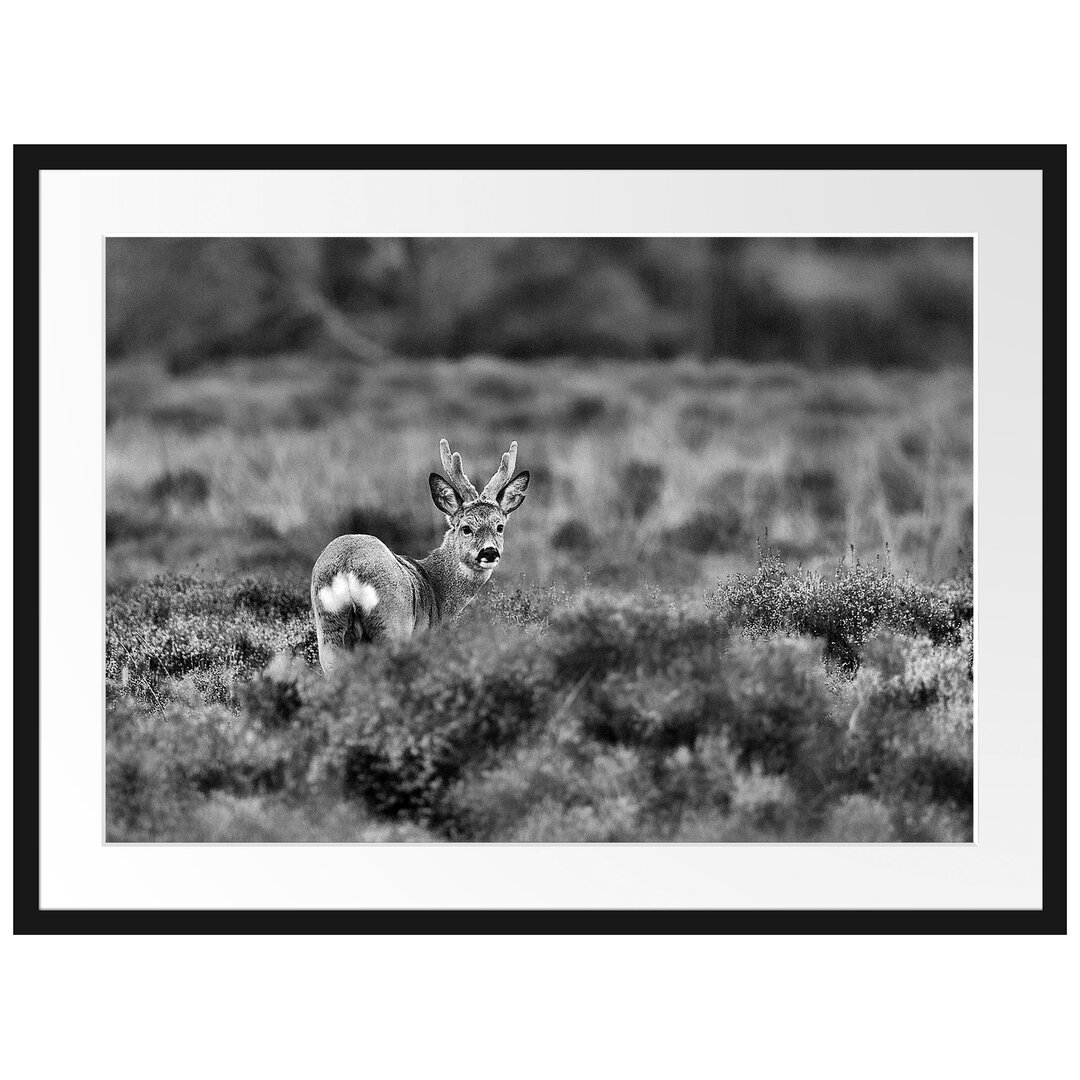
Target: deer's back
column 361, row 571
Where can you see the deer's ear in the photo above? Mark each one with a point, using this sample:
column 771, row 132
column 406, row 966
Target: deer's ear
column 443, row 495
column 513, row 495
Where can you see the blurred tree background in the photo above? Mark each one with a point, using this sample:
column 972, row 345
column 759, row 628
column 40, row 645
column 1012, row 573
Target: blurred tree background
column 872, row 302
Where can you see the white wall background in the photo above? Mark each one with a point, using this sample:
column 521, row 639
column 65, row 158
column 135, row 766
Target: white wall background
column 932, row 71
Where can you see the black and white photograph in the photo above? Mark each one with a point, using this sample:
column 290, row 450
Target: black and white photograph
column 540, row 539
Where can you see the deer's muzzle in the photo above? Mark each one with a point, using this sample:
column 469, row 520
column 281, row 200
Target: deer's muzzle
column 488, row 556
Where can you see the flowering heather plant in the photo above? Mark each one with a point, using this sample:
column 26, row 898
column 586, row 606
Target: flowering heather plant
column 845, row 608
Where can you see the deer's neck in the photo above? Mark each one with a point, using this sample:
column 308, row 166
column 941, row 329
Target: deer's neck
column 454, row 586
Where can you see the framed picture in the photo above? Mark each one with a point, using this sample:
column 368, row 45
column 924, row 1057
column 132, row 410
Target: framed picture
column 538, row 539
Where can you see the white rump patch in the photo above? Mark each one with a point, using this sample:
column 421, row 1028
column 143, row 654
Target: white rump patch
column 345, row 591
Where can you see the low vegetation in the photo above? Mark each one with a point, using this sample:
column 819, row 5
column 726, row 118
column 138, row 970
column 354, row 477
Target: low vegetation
column 544, row 717
column 847, row 606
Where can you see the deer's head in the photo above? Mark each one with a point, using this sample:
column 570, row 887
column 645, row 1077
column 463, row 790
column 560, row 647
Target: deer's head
column 476, row 520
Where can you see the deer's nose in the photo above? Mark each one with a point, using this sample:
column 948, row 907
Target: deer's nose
column 488, row 555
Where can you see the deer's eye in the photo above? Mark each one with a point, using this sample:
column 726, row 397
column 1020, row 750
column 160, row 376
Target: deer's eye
column 466, row 530
column 498, row 528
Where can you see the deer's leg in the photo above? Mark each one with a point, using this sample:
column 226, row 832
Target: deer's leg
column 336, row 639
column 331, row 655
column 391, row 620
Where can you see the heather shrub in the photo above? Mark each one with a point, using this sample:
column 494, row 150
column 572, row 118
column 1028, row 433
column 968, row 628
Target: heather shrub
column 782, row 717
column 539, row 717
column 843, row 609
column 764, row 807
column 270, row 599
column 701, row 776
column 640, row 708
column 760, row 808
column 525, row 605
column 573, row 536
column 641, row 484
column 708, row 530
column 903, row 482
column 585, row 409
column 399, row 728
column 183, row 486
column 638, row 672
column 554, row 791
column 216, row 634
column 601, row 634
column 257, row 819
column 912, row 722
column 407, row 531
column 860, row 819
column 159, row 766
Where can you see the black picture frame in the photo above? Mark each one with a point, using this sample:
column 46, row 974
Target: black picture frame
column 31, row 160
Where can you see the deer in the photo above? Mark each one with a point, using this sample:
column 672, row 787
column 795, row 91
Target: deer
column 363, row 593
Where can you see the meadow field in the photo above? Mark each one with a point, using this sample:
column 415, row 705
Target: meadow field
column 736, row 604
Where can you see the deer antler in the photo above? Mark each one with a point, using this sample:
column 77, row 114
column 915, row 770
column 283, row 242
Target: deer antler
column 455, row 473
column 502, row 477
